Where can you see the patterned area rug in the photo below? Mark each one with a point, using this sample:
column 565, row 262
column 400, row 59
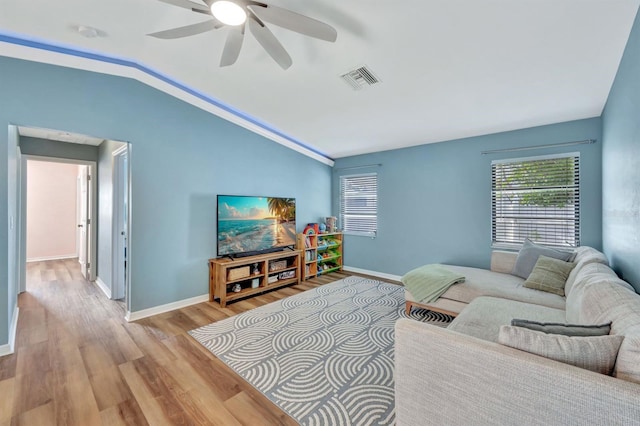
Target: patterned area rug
column 324, row 356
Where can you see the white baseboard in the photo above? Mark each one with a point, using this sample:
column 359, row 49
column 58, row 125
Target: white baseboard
column 372, row 273
column 102, row 286
column 45, row 258
column 9, row 348
column 134, row 316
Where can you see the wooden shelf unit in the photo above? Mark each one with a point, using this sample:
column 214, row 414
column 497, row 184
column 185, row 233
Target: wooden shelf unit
column 224, row 273
column 322, row 253
column 307, row 245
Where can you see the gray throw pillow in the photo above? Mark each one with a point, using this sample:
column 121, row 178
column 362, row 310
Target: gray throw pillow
column 528, row 256
column 564, row 329
column 595, row 353
column 549, row 275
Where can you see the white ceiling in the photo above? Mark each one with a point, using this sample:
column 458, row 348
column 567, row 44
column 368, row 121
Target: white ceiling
column 449, row 68
column 58, row 135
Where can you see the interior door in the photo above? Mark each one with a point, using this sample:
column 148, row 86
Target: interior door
column 83, row 249
column 120, row 203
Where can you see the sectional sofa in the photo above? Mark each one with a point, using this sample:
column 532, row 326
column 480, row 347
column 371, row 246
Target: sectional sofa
column 470, row 372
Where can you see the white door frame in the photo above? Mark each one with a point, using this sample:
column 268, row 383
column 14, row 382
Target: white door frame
column 121, row 224
column 83, row 221
column 93, row 209
column 20, row 226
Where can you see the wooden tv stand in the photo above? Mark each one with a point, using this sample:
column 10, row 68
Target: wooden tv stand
column 270, row 271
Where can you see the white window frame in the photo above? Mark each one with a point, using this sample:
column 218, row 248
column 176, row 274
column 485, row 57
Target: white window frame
column 498, row 242
column 370, row 211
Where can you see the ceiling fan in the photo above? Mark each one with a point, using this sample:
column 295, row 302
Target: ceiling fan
column 239, row 14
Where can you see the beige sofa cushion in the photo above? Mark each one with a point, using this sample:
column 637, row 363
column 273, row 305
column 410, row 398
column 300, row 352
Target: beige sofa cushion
column 599, row 297
column 447, row 378
column 484, row 316
column 595, row 353
column 482, row 282
column 503, row 261
column 590, row 274
column 584, row 256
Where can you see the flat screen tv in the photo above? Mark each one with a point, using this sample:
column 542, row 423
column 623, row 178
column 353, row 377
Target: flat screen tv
column 253, row 225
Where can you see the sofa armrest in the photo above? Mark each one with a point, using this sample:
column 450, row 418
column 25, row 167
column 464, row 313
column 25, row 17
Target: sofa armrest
column 444, row 377
column 503, row 261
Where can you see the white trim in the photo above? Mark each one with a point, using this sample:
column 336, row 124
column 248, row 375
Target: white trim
column 70, row 61
column 373, row 273
column 5, row 350
column 102, row 286
column 22, row 226
column 120, row 150
column 135, row 316
column 128, row 285
column 45, row 258
column 20, row 272
column 9, row 348
column 119, row 175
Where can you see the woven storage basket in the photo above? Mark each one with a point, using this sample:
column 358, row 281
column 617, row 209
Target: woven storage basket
column 277, row 264
column 237, row 273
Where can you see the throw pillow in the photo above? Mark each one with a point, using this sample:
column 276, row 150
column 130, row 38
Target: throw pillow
column 528, row 256
column 549, row 275
column 564, row 329
column 595, row 353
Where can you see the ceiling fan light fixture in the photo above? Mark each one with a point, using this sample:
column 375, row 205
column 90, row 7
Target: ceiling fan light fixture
column 228, row 12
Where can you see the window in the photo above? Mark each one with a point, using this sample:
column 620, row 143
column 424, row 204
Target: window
column 536, row 198
column 359, row 204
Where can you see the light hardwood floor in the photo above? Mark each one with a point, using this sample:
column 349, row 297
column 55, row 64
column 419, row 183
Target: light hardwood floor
column 78, row 362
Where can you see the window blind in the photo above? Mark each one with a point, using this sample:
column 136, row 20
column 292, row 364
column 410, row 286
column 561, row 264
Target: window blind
column 536, row 198
column 359, row 204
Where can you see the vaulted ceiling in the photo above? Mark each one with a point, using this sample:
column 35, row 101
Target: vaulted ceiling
column 448, row 68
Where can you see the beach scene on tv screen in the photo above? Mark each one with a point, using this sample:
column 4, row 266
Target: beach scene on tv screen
column 247, row 224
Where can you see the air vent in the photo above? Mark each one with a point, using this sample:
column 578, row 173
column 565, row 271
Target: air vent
column 360, row 77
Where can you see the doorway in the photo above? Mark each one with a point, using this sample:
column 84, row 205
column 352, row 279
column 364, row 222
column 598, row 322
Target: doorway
column 102, row 201
column 58, row 210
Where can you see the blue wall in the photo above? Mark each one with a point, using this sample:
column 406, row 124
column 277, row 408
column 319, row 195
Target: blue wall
column 434, row 200
column 621, row 165
column 181, row 157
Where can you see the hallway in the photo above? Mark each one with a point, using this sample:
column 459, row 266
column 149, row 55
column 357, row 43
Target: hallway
column 78, row 362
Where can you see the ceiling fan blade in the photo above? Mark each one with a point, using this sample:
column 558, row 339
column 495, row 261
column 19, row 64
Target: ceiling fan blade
column 185, row 4
column 232, row 46
column 203, row 11
column 187, row 30
column 270, row 43
column 295, row 22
